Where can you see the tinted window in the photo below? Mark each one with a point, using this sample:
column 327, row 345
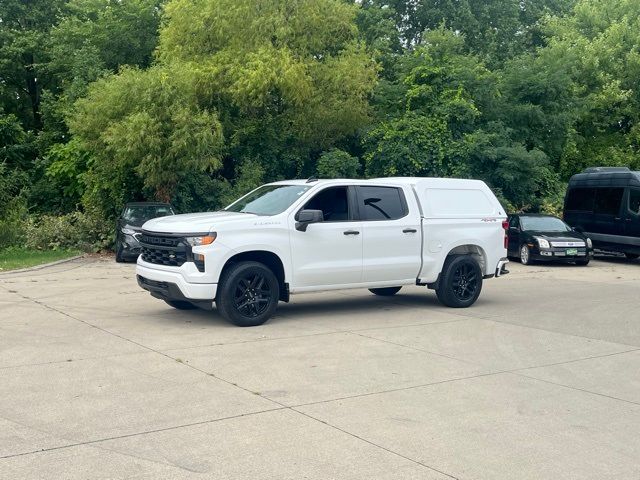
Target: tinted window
column 608, row 200
column 513, row 222
column 381, row 203
column 581, row 199
column 333, row 202
column 634, row 201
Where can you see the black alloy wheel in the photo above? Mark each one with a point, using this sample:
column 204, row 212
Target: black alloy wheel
column 460, row 281
column 248, row 294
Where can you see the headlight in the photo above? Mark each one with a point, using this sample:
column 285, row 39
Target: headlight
column 128, row 231
column 589, row 243
column 203, row 240
column 542, row 243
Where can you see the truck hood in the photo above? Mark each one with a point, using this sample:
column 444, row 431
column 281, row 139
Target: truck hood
column 196, row 222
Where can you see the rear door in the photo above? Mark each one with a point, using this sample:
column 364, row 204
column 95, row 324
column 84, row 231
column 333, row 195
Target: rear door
column 391, row 234
column 632, row 215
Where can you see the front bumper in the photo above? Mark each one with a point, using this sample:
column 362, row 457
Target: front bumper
column 188, row 291
column 130, row 246
column 559, row 254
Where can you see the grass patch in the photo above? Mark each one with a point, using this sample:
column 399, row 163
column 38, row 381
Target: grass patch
column 13, row 258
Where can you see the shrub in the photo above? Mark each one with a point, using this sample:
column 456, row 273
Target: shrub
column 86, row 231
column 337, row 163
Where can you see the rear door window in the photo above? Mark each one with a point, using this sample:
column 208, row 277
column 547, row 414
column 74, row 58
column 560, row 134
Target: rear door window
column 381, row 203
column 581, row 199
column 608, row 200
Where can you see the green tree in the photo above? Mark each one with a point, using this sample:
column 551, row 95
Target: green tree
column 146, row 132
column 336, row 163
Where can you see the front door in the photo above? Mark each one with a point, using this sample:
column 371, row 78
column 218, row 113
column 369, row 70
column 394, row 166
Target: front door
column 514, row 236
column 328, row 253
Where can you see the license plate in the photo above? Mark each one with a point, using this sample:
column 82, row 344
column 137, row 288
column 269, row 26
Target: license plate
column 571, row 251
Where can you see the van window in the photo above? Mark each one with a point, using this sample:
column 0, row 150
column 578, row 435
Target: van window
column 608, row 200
column 581, row 199
column 381, row 203
column 634, row 201
column 458, row 202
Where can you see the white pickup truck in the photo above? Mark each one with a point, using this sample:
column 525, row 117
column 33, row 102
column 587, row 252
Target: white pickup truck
column 301, row 236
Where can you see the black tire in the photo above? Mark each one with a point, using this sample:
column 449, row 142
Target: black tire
column 632, row 256
column 524, row 255
column 583, row 262
column 119, row 257
column 460, row 281
column 248, row 294
column 386, row 291
column 181, row 304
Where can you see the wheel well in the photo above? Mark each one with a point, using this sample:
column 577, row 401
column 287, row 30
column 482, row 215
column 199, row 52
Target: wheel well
column 474, row 250
column 269, row 259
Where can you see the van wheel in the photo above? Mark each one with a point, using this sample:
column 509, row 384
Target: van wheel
column 632, row 256
column 385, row 292
column 248, row 294
column 525, row 255
column 584, row 262
column 460, row 282
column 181, row 304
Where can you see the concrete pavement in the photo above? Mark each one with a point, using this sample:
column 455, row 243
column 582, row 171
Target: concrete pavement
column 539, row 380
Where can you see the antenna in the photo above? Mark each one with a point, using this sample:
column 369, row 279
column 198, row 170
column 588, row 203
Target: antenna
column 311, row 180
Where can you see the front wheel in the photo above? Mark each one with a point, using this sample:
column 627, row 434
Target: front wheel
column 385, row 292
column 525, row 255
column 460, row 282
column 632, row 256
column 583, row 262
column 248, row 294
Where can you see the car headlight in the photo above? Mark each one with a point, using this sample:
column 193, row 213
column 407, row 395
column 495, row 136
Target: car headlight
column 128, row 231
column 543, row 243
column 589, row 243
column 201, row 240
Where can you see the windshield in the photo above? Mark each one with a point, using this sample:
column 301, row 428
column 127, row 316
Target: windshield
column 138, row 214
column 268, row 199
column 544, row 224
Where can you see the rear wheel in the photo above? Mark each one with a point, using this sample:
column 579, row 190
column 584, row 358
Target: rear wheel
column 631, row 256
column 460, row 282
column 181, row 304
column 385, row 292
column 248, row 294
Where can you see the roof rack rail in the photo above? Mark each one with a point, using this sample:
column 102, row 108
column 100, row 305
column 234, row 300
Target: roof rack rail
column 311, row 179
column 605, row 169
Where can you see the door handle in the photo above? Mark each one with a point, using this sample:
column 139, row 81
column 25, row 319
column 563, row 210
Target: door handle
column 351, row 232
column 409, row 230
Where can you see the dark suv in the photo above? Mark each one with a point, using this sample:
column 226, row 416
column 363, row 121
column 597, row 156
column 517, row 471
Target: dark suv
column 130, row 224
column 604, row 203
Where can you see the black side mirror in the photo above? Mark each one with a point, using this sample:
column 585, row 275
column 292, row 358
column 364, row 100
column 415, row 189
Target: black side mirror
column 305, row 217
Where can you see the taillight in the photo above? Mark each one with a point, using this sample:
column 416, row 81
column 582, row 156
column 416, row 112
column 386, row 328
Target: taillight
column 505, row 226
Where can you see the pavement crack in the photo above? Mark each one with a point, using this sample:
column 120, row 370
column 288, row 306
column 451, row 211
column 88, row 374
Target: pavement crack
column 362, row 439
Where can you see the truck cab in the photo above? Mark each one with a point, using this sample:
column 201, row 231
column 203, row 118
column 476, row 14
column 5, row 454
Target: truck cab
column 300, row 236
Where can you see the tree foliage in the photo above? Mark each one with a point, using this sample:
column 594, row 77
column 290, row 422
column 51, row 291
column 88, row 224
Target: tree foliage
column 197, row 101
